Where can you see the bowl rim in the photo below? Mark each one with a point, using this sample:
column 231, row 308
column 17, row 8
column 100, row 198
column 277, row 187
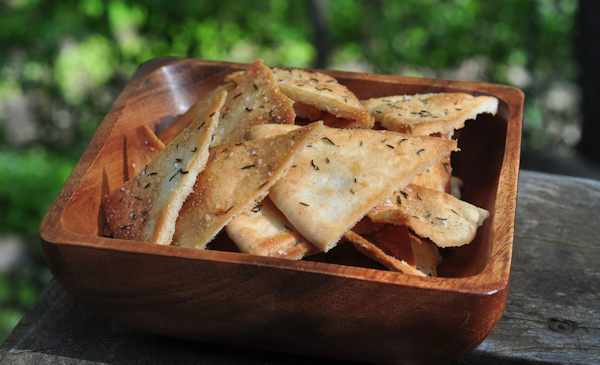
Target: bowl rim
column 491, row 280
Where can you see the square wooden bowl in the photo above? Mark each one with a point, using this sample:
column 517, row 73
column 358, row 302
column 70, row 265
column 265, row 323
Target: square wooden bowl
column 305, row 307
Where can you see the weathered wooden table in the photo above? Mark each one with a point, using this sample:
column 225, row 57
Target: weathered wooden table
column 552, row 314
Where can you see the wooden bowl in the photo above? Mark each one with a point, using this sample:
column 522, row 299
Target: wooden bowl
column 305, row 307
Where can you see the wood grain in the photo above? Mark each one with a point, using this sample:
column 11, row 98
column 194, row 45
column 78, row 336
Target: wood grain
column 314, row 308
column 551, row 314
column 553, row 308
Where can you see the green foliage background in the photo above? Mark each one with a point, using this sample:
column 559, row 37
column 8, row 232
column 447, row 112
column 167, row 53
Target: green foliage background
column 62, row 63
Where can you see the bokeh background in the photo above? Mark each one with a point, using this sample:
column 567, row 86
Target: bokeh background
column 62, row 63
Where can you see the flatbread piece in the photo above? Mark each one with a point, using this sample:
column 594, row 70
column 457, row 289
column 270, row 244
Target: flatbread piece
column 174, row 129
column 265, row 231
column 237, row 176
column 341, row 177
column 142, row 150
column 426, row 114
column 447, row 221
column 322, row 91
column 145, row 208
column 255, row 100
column 396, row 248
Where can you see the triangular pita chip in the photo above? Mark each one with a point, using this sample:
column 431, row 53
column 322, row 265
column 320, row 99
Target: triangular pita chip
column 366, row 226
column 341, row 177
column 255, row 100
column 172, row 130
column 373, row 251
column 426, row 114
column 308, row 112
column 320, row 90
column 437, row 176
column 398, row 250
column 145, row 208
column 445, row 220
column 456, row 185
column 141, row 151
column 237, row 176
column 332, row 121
column 426, row 253
column 265, row 231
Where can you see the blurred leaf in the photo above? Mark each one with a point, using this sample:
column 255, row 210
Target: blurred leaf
column 92, row 8
column 9, row 318
column 29, row 182
column 82, row 67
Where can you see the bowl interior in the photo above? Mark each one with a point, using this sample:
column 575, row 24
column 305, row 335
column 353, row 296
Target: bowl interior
column 158, row 96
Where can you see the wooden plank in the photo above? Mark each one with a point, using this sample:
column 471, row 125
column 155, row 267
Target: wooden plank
column 59, row 330
column 553, row 308
column 552, row 313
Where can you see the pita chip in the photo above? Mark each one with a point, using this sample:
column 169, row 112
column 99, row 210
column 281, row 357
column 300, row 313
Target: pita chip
column 426, row 114
column 456, row 185
column 426, row 253
column 332, row 121
column 366, row 225
column 237, row 176
column 307, row 112
column 347, row 172
column 398, row 250
column 255, row 100
column 437, row 176
column 142, row 150
column 145, row 208
column 265, row 231
column 436, row 215
column 322, row 91
column 174, row 129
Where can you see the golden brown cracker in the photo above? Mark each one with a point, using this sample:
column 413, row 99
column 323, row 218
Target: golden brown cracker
column 237, row 176
column 437, row 176
column 426, row 254
column 174, row 129
column 308, row 112
column 265, row 231
column 369, row 248
column 142, row 150
column 341, row 177
column 321, row 91
column 145, row 208
column 255, row 100
column 398, row 249
column 426, row 114
column 332, row 121
column 436, row 215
